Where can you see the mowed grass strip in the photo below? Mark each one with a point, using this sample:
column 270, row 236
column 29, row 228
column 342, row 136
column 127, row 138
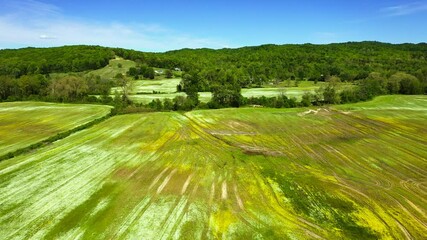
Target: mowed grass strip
column 333, row 173
column 26, row 123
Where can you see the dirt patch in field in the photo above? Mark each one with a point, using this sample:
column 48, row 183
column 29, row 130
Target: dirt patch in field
column 238, row 199
column 125, row 172
column 345, row 112
column 177, row 183
column 187, row 182
column 166, row 181
column 253, row 150
column 224, row 193
column 237, row 124
column 230, row 133
column 140, row 179
column 157, row 178
column 319, row 111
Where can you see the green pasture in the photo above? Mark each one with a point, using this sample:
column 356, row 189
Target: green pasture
column 140, row 87
column 274, row 92
column 145, row 96
column 307, row 85
column 112, row 69
column 25, row 123
column 143, row 91
column 344, row 172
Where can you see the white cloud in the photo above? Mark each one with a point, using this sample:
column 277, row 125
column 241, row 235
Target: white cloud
column 47, row 37
column 405, row 9
column 32, row 23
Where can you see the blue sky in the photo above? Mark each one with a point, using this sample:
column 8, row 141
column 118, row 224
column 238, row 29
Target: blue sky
column 167, row 25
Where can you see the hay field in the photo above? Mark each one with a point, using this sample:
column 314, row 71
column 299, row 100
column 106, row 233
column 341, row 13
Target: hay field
column 25, row 123
column 347, row 172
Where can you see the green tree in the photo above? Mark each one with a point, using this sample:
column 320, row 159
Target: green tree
column 7, row 85
column 125, row 85
column 69, row 88
column 168, row 73
column 156, row 104
column 372, row 86
column 227, row 93
column 409, row 84
column 306, row 100
column 349, row 96
column 149, row 73
column 32, row 84
column 393, row 84
column 133, row 71
column 300, row 73
column 190, row 83
column 168, row 104
column 330, row 95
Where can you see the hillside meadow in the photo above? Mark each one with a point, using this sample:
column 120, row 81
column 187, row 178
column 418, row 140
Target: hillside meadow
column 353, row 171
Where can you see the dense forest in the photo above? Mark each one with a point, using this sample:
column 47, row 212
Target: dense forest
column 376, row 68
column 26, row 61
column 256, row 65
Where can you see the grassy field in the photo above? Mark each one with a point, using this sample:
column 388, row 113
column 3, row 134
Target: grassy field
column 347, row 172
column 162, row 86
column 297, row 92
column 143, row 89
column 25, row 123
column 111, row 70
column 167, row 89
column 146, row 87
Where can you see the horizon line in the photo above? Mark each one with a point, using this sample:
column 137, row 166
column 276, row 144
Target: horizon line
column 231, row 48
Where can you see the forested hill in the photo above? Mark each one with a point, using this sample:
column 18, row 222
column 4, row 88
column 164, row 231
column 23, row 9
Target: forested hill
column 25, row 61
column 349, row 61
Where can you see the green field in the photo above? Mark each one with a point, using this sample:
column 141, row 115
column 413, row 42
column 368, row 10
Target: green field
column 143, row 90
column 162, row 86
column 346, row 172
column 146, row 87
column 25, row 123
column 112, row 69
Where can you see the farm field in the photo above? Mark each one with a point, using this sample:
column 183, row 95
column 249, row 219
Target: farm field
column 146, row 87
column 143, row 89
column 25, row 123
column 356, row 171
column 274, row 92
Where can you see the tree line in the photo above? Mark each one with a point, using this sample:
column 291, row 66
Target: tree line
column 259, row 65
column 227, row 94
column 374, row 68
column 68, row 88
column 254, row 66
